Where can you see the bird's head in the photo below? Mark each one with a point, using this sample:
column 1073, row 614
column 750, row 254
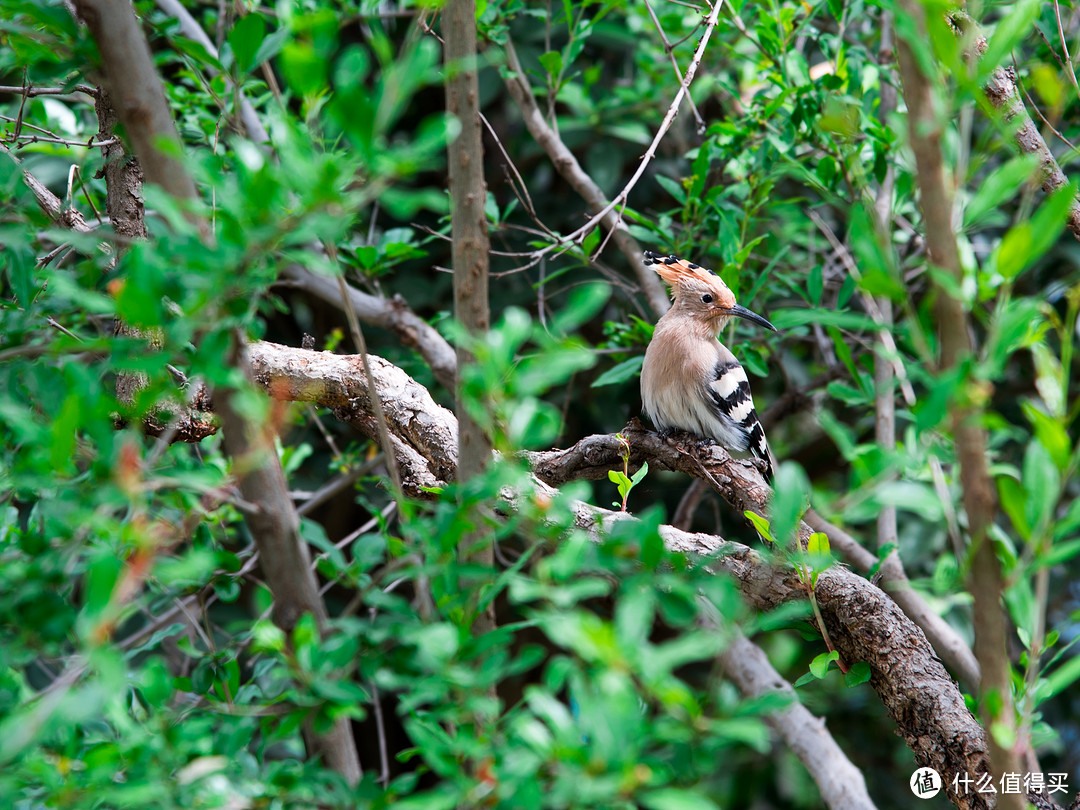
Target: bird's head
column 700, row 293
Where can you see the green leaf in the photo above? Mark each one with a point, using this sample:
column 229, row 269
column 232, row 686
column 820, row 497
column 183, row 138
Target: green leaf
column 20, row 268
column 305, row 71
column 245, row 38
column 913, row 496
column 1011, row 329
column 1049, row 379
column 676, row 799
column 875, row 258
column 761, row 524
column 1041, row 482
column 1064, row 676
column 101, row 582
column 819, row 667
column 672, row 187
column 618, row 477
column 1000, row 186
column 847, row 394
column 584, row 303
column 640, row 474
column 815, row 284
column 1010, row 30
column 790, row 318
column 444, row 798
column 818, row 543
column 1025, row 243
column 1011, row 496
column 1013, row 254
column 1059, row 553
column 858, row 673
column 1050, row 433
column 791, row 496
column 626, row 370
column 552, row 62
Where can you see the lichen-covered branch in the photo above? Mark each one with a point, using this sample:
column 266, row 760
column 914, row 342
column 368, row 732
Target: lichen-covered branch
column 424, row 433
column 1002, row 93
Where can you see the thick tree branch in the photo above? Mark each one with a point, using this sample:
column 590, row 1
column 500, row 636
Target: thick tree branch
column 980, row 502
column 864, row 623
column 954, row 651
column 424, row 433
column 1002, row 93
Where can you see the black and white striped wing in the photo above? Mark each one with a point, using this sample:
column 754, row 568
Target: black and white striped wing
column 730, row 392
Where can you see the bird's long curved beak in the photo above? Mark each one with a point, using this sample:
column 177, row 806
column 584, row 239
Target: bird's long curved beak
column 743, row 312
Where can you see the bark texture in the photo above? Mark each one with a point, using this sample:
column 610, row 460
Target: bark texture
column 136, row 92
column 468, row 194
column 980, row 500
column 284, row 555
column 470, row 249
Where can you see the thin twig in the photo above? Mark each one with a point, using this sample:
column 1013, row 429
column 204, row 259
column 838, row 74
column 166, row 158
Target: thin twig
column 670, row 50
column 650, row 153
column 361, row 347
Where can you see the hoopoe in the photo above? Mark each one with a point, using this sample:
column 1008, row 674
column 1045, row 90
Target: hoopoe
column 691, row 381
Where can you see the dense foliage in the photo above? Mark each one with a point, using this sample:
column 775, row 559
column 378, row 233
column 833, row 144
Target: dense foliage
column 140, row 662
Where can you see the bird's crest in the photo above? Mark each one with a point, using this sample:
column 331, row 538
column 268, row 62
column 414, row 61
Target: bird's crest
column 678, row 273
column 674, row 270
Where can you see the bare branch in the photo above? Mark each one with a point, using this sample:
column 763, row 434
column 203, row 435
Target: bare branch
column 471, row 259
column 1002, row 93
column 841, row 784
column 422, row 430
column 570, row 170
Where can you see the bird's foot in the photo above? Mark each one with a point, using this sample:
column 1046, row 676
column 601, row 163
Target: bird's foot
column 762, row 465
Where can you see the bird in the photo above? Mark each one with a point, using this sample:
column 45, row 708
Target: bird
column 690, row 381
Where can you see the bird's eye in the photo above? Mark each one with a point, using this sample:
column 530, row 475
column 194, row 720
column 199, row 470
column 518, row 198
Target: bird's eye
column 706, row 299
